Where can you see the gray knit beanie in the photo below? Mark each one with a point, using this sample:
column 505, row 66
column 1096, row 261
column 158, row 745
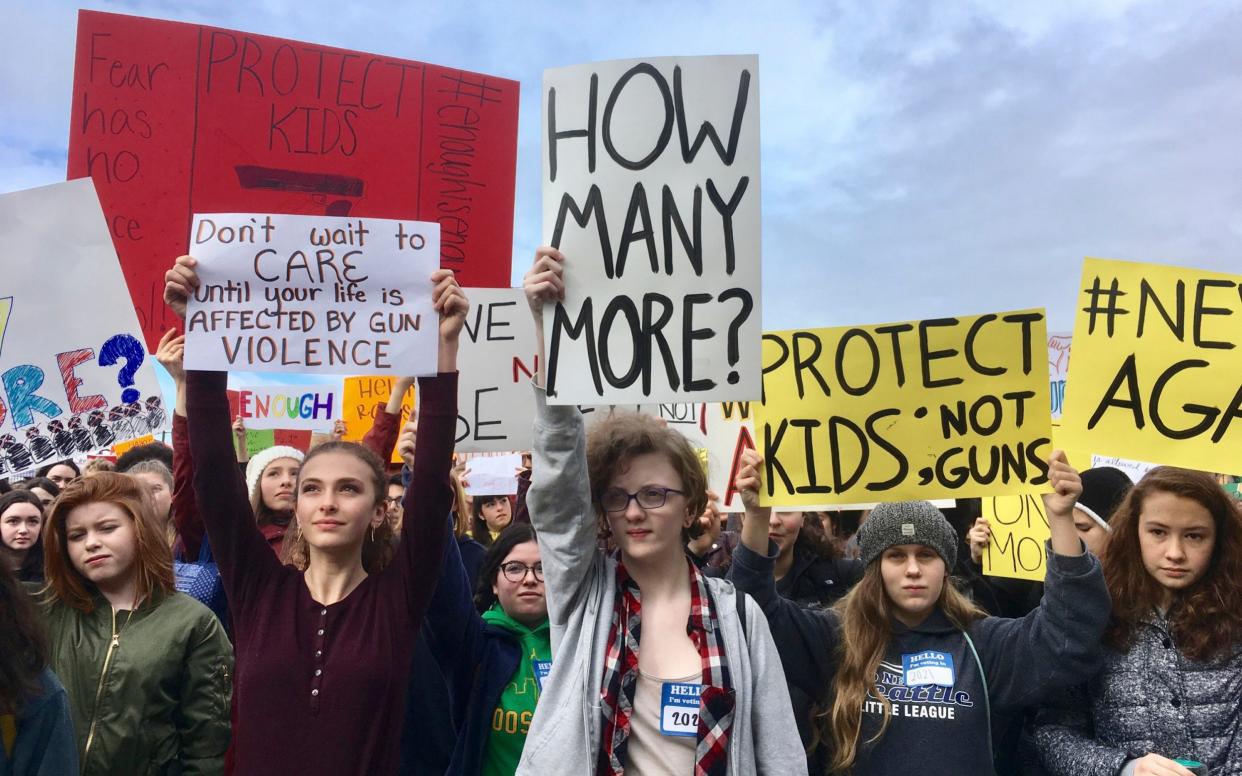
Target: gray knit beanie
column 907, row 522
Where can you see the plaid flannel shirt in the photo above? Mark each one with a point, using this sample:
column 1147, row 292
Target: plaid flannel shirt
column 716, row 703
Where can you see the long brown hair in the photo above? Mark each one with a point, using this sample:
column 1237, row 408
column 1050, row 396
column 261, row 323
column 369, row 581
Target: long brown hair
column 32, row 563
column 1206, row 620
column 23, row 644
column 865, row 617
column 153, row 569
column 461, row 507
column 377, row 544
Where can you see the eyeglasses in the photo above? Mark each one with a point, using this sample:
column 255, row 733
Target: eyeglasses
column 394, row 500
column 515, row 571
column 648, row 497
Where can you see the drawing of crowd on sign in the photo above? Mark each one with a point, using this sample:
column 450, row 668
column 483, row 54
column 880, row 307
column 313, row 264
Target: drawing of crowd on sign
column 361, row 441
column 85, row 383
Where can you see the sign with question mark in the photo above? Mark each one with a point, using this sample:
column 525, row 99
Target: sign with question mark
column 651, row 191
column 74, row 375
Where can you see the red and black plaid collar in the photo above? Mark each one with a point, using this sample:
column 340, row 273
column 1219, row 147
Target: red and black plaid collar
column 716, row 702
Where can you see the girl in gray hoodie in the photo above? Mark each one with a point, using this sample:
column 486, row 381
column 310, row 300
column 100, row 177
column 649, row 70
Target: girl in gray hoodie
column 704, row 692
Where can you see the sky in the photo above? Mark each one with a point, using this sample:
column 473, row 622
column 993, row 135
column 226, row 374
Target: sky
column 918, row 159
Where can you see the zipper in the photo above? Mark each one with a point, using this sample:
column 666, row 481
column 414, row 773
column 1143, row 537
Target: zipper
column 116, row 640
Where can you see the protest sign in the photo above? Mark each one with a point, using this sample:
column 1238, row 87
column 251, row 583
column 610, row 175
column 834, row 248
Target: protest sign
column 939, row 408
column 496, row 359
column 173, row 119
column 1019, row 529
column 121, row 448
column 1135, row 470
column 1058, row 370
column 258, row 440
column 661, row 232
column 1157, row 369
column 313, row 294
column 364, row 398
column 73, row 369
column 309, row 407
column 492, row 475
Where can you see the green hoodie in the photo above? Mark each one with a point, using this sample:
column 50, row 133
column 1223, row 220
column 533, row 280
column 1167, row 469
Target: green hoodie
column 511, row 719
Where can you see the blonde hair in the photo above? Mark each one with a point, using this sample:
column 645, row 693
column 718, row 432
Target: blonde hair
column 865, row 631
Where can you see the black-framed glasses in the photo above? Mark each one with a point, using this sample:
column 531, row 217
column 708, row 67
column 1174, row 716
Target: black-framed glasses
column 515, row 571
column 648, row 497
column 393, row 500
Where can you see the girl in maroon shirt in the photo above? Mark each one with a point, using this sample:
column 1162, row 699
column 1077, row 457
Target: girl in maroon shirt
column 323, row 654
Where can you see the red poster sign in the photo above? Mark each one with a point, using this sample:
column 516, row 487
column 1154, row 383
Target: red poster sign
column 172, row 119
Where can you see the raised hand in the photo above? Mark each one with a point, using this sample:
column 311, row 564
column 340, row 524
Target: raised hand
column 1059, row 505
column 545, row 281
column 179, row 284
column 405, row 442
column 171, row 355
column 1066, row 486
column 748, row 481
column 978, row 537
column 450, row 302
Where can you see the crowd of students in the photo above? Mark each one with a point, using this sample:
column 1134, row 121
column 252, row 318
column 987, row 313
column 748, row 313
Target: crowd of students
column 200, row 610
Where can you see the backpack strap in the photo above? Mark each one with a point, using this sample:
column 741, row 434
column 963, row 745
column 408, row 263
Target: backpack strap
column 739, row 598
column 987, row 699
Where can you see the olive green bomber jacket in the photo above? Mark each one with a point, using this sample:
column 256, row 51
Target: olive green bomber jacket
column 149, row 689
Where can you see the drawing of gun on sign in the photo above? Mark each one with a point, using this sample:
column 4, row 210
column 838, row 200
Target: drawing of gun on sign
column 322, row 187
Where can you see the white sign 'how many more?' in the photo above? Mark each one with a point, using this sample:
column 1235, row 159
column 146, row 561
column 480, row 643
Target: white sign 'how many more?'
column 651, row 190
column 313, row 294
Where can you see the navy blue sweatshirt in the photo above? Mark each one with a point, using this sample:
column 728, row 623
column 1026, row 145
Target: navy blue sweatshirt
column 478, row 660
column 945, row 729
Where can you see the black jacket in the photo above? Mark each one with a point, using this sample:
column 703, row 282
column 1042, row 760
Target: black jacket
column 946, row 731
column 814, row 580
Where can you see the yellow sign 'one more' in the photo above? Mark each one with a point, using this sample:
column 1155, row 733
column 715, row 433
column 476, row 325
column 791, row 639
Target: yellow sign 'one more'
column 1019, row 530
column 1157, row 368
column 939, row 408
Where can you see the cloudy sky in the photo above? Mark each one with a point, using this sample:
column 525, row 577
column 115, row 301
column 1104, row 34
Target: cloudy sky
column 919, row 159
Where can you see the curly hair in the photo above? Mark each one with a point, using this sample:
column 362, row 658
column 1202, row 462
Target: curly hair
column 1207, row 620
column 623, row 436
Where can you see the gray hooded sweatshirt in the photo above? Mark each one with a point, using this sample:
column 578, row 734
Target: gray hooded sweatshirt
column 566, row 732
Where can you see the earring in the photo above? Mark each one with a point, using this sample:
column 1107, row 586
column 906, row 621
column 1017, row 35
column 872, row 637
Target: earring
column 372, row 534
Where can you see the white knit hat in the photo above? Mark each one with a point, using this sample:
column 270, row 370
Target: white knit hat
column 260, row 461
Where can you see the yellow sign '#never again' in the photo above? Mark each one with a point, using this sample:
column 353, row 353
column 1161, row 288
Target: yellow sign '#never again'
column 938, row 408
column 1157, row 368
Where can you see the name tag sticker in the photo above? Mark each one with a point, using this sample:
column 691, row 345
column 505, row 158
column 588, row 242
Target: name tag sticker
column 928, row 667
column 542, row 669
column 679, row 709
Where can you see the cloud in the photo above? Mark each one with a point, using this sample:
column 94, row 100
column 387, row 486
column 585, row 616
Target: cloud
column 918, row 159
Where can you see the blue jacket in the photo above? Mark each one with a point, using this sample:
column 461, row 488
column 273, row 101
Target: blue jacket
column 478, row 661
column 45, row 744
column 430, row 732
